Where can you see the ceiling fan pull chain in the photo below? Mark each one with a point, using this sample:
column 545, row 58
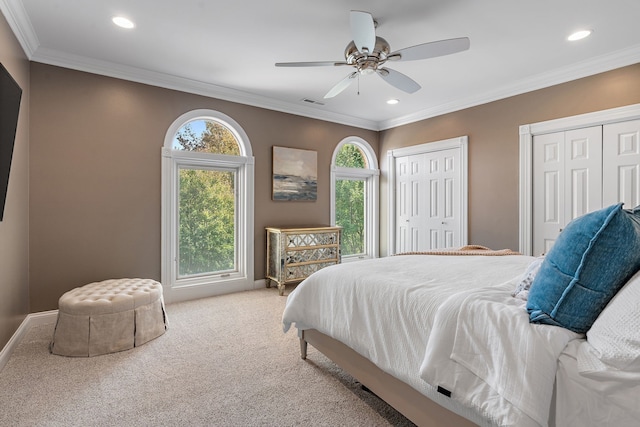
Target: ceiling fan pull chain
column 358, row 84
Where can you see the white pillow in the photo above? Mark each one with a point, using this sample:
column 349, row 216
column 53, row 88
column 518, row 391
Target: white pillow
column 524, row 282
column 613, row 342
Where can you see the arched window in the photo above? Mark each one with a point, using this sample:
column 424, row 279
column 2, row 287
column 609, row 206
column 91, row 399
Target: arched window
column 207, row 207
column 354, row 198
column 205, row 135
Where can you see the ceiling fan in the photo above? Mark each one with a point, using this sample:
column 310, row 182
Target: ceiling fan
column 367, row 53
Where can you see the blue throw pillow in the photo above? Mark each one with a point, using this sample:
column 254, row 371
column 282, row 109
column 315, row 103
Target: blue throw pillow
column 592, row 259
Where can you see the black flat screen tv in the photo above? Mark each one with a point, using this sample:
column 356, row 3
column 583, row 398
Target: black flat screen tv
column 10, row 94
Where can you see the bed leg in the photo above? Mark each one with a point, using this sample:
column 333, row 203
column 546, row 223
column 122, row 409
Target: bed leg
column 303, row 345
column 303, row 349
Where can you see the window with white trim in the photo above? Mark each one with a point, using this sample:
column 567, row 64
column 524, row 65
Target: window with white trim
column 354, row 198
column 207, row 207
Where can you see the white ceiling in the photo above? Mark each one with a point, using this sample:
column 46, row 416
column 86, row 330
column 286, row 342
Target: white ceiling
column 227, row 49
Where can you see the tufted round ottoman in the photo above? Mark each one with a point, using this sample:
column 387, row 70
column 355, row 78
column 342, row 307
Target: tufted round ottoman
column 109, row 316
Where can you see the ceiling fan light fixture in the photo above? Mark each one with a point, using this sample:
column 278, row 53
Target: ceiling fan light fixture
column 579, row 35
column 393, row 101
column 123, row 22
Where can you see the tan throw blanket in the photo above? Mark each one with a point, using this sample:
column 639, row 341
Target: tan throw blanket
column 466, row 250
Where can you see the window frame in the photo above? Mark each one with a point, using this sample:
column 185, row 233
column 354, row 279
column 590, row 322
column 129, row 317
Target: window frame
column 371, row 178
column 242, row 278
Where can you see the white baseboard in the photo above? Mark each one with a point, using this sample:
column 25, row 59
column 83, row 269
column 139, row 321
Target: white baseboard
column 33, row 319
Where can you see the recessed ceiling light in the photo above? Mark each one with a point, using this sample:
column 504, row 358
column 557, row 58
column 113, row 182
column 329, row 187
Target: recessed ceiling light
column 393, row 101
column 123, row 22
column 579, row 35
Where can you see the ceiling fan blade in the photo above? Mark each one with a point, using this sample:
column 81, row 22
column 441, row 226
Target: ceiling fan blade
column 311, row 64
column 363, row 30
column 342, row 85
column 431, row 50
column 399, row 80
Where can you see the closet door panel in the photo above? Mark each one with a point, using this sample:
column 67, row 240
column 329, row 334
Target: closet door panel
column 403, row 204
column 548, row 190
column 621, row 163
column 583, row 168
column 567, row 181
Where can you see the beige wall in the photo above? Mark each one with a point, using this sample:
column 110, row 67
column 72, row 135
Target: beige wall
column 493, row 131
column 95, row 167
column 96, row 175
column 14, row 229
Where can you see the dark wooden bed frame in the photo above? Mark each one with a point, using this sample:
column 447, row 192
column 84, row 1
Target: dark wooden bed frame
column 405, row 399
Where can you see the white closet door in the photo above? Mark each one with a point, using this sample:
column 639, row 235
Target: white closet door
column 403, row 204
column 621, row 160
column 443, row 219
column 412, row 203
column 567, row 181
column 583, row 172
column 548, row 190
column 428, row 201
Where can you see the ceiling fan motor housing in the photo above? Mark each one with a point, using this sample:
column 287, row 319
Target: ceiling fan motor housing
column 367, row 62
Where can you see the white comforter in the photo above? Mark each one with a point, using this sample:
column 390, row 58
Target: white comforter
column 487, row 334
column 387, row 308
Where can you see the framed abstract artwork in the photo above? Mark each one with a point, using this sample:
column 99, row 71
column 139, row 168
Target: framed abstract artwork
column 295, row 174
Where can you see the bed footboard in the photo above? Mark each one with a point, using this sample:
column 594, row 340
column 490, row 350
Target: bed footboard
column 405, row 399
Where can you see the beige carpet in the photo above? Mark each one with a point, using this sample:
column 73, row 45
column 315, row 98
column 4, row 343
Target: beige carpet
column 223, row 362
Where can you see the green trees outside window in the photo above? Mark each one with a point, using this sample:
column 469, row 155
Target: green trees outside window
column 206, row 202
column 205, row 136
column 206, row 211
column 350, row 201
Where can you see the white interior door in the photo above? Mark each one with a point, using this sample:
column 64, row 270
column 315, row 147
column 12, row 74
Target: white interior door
column 621, row 160
column 620, row 130
column 403, row 204
column 567, row 181
column 428, row 201
column 583, row 172
column 443, row 220
column 548, row 190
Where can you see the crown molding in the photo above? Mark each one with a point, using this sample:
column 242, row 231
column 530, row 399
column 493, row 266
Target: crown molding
column 16, row 16
column 575, row 71
column 20, row 24
column 167, row 81
column 600, row 64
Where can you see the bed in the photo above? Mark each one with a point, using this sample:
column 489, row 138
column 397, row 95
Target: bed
column 459, row 338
